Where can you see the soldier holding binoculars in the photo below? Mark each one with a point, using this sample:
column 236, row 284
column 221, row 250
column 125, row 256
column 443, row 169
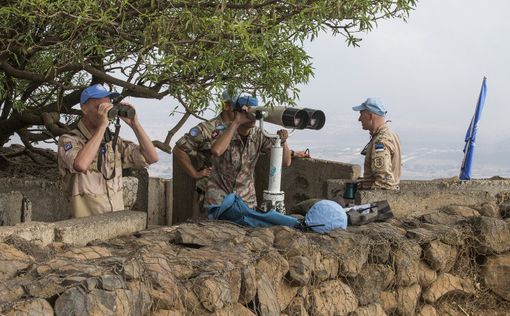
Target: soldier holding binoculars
column 235, row 153
column 90, row 158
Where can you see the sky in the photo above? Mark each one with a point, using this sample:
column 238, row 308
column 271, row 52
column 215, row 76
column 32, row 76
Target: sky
column 428, row 73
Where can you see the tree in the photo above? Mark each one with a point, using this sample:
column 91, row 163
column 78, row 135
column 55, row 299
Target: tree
column 186, row 49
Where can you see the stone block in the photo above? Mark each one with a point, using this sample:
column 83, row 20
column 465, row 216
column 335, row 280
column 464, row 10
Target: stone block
column 80, row 231
column 496, row 273
column 37, row 232
column 10, row 208
column 156, row 208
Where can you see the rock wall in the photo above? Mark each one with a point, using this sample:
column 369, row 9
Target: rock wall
column 451, row 262
column 419, row 196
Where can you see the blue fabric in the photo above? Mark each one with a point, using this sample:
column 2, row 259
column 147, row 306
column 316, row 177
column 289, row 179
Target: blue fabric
column 96, row 91
column 372, row 105
column 327, row 213
column 470, row 139
column 235, row 210
column 241, row 101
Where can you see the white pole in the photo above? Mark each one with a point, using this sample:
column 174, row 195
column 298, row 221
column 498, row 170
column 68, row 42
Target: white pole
column 275, row 166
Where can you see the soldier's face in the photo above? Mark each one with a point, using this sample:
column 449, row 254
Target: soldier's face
column 90, row 109
column 365, row 118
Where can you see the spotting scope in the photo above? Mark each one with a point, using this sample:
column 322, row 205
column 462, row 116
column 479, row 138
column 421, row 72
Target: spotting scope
column 290, row 117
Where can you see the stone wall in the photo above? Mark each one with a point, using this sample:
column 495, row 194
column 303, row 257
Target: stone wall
column 48, row 203
column 453, row 263
column 305, row 178
column 416, row 197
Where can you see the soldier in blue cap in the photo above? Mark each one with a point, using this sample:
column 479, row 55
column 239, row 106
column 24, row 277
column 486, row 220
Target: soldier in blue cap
column 235, row 153
column 90, row 160
column 382, row 167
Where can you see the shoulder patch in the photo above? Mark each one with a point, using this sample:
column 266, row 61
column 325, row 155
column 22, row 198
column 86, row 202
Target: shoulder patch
column 379, row 147
column 68, row 146
column 378, row 162
column 194, row 132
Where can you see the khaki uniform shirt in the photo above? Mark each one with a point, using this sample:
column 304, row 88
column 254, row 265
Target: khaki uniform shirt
column 89, row 192
column 383, row 161
column 234, row 171
column 197, row 144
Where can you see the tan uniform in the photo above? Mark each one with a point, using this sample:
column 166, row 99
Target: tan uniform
column 382, row 160
column 197, row 144
column 89, row 192
column 233, row 172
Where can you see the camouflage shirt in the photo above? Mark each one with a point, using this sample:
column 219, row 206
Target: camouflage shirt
column 233, row 172
column 197, row 144
column 382, row 160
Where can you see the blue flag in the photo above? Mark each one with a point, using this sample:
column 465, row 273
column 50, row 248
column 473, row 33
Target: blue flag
column 469, row 147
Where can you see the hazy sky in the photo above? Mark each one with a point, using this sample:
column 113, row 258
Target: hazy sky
column 427, row 71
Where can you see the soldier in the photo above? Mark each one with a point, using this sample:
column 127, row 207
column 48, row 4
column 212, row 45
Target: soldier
column 382, row 154
column 90, row 160
column 197, row 144
column 235, row 153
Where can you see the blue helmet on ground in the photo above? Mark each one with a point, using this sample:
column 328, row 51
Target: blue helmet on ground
column 326, row 215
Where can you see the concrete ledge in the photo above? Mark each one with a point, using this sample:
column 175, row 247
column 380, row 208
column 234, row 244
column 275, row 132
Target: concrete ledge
column 80, row 231
column 416, row 197
column 38, row 232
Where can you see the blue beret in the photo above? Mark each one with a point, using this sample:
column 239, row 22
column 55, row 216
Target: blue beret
column 372, row 105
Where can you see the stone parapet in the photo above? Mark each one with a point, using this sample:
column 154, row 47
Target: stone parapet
column 80, row 231
column 416, row 197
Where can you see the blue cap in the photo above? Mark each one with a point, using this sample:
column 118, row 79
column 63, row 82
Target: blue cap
column 327, row 213
column 372, row 105
column 96, row 91
column 247, row 100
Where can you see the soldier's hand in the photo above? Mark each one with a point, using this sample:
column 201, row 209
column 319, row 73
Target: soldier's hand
column 243, row 117
column 102, row 113
column 203, row 173
column 302, row 154
column 283, row 133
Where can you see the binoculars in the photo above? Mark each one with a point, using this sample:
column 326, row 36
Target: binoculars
column 288, row 117
column 121, row 110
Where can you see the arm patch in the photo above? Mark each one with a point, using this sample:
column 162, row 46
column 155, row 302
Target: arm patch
column 379, row 147
column 194, row 132
column 68, row 146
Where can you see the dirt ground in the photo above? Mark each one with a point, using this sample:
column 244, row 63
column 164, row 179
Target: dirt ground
column 16, row 162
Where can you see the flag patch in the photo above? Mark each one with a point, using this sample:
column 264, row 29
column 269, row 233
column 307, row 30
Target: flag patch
column 379, row 147
column 194, row 132
column 68, row 146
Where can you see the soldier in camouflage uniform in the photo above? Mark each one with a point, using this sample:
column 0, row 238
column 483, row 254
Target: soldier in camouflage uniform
column 235, row 153
column 91, row 166
column 197, row 144
column 382, row 166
